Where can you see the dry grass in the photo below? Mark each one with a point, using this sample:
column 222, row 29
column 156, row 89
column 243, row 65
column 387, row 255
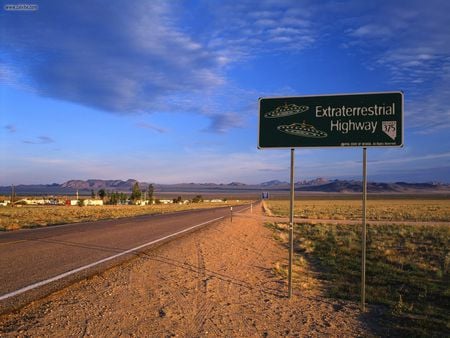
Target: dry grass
column 408, row 270
column 38, row 216
column 303, row 274
column 408, row 266
column 382, row 210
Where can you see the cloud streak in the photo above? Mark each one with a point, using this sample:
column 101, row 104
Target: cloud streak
column 221, row 123
column 11, row 128
column 40, row 140
column 145, row 125
column 407, row 159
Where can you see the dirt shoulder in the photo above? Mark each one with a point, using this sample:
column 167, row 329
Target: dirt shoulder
column 219, row 281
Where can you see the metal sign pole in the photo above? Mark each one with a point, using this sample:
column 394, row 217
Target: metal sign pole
column 231, row 214
column 291, row 226
column 364, row 232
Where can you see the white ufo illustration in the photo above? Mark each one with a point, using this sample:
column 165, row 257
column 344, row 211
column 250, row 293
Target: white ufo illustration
column 286, row 110
column 302, row 129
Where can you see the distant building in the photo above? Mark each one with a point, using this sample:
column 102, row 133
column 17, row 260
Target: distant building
column 29, row 201
column 216, row 200
column 91, row 201
column 5, row 203
column 39, row 201
column 166, row 201
column 71, row 202
column 86, row 202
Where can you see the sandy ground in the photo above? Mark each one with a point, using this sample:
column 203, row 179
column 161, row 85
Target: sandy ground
column 218, row 281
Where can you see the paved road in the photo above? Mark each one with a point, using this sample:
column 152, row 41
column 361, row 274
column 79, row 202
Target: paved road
column 38, row 261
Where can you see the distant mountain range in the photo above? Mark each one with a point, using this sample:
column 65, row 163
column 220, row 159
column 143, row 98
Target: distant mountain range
column 316, row 185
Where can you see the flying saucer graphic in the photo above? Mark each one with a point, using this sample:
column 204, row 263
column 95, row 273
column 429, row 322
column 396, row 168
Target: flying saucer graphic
column 302, row 129
column 286, row 110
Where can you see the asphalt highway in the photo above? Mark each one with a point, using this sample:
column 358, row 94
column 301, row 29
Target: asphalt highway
column 38, row 261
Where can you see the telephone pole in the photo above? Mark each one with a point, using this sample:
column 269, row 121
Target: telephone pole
column 13, row 195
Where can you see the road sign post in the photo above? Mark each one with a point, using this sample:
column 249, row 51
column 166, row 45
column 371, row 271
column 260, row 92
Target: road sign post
column 339, row 120
column 364, row 232
column 291, row 226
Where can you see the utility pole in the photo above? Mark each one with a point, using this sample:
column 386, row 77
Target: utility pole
column 13, row 195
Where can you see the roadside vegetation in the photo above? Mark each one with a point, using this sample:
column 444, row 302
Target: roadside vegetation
column 407, row 268
column 377, row 210
column 12, row 218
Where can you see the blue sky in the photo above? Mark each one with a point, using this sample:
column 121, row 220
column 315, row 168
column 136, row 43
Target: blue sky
column 167, row 91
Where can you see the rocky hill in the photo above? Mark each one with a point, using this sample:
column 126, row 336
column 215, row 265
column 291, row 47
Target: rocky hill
column 316, row 185
column 99, row 184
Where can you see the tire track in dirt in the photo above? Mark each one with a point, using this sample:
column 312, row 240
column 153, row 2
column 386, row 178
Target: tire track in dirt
column 247, row 265
column 202, row 305
column 199, row 319
column 178, row 302
column 260, row 245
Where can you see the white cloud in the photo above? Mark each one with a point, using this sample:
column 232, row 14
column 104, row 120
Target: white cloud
column 413, row 43
column 249, row 28
column 128, row 70
column 152, row 63
column 371, row 31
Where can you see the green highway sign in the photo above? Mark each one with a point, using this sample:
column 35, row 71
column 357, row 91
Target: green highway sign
column 344, row 120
